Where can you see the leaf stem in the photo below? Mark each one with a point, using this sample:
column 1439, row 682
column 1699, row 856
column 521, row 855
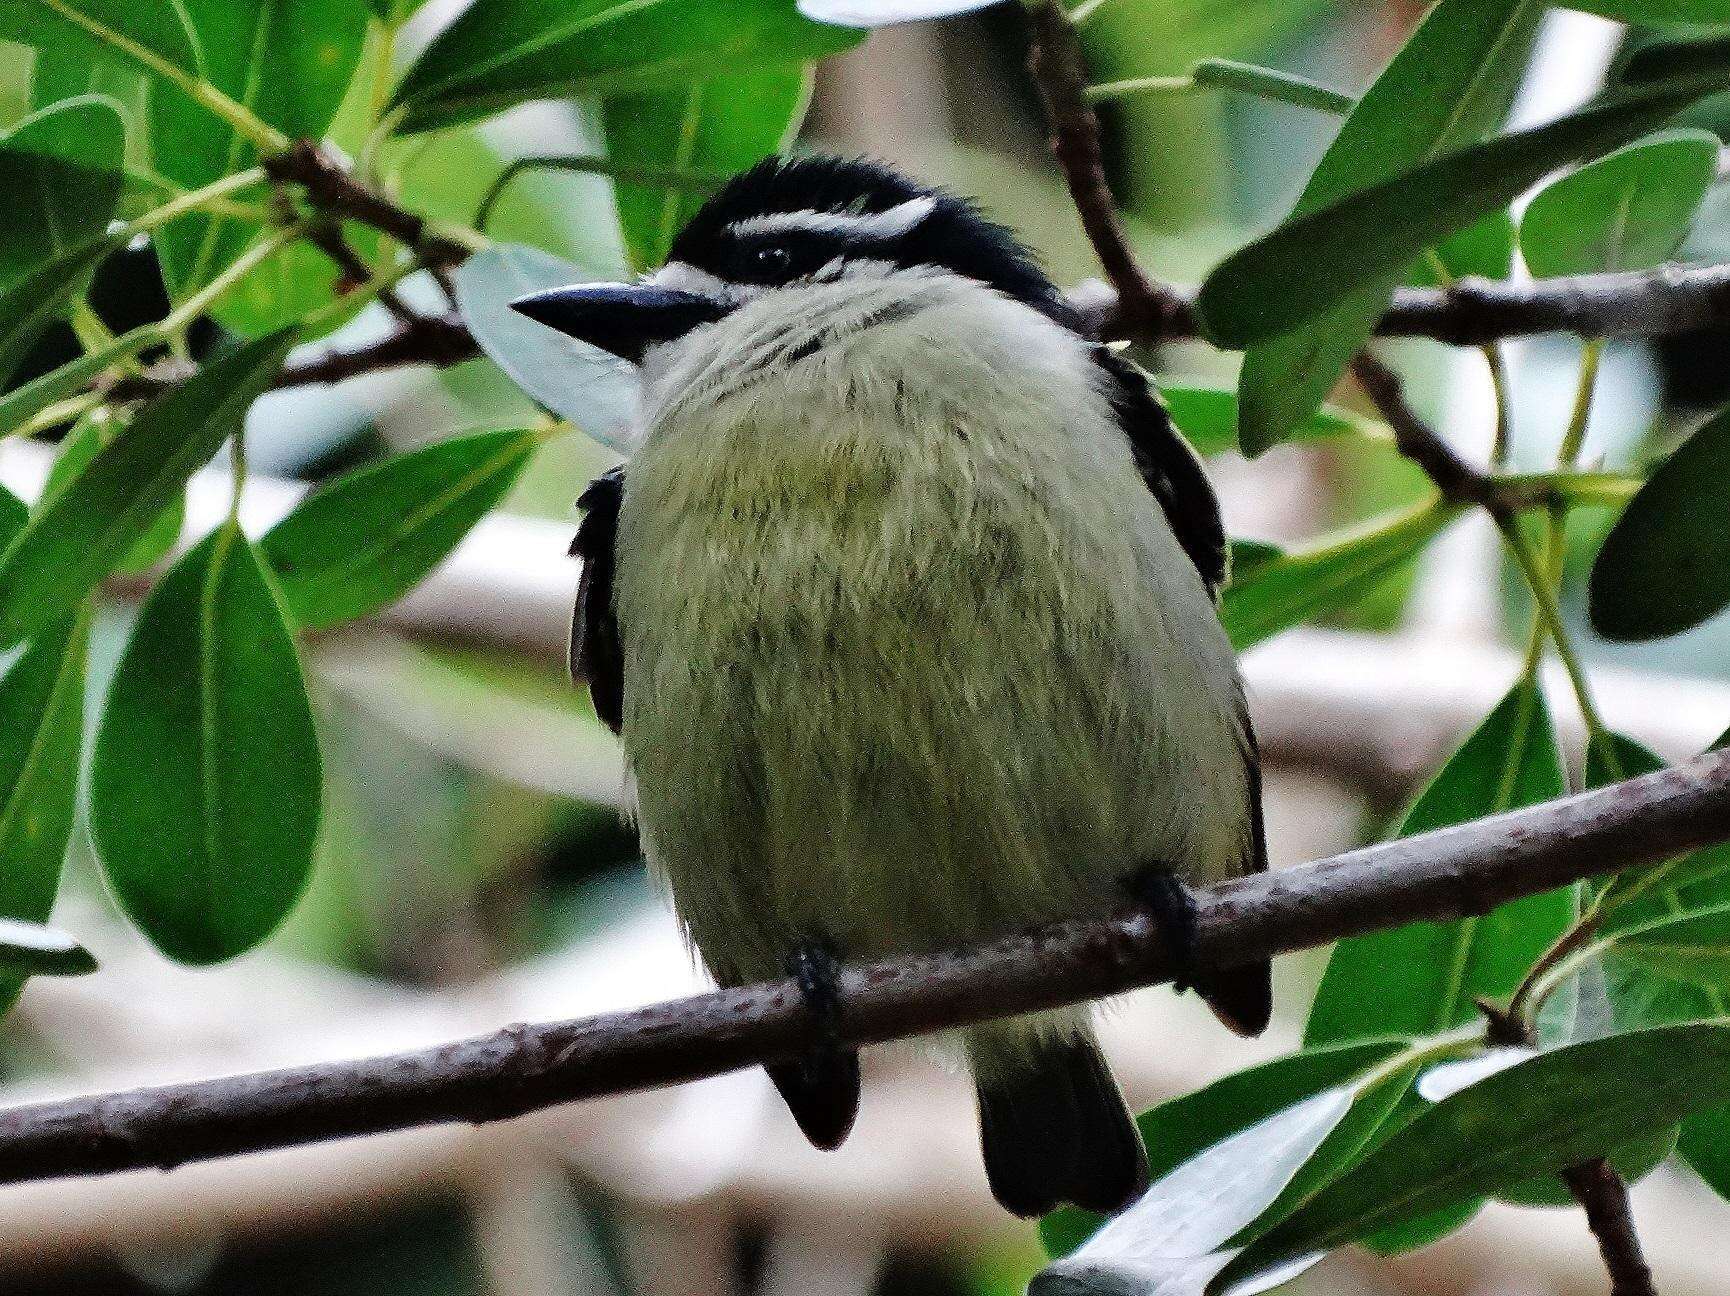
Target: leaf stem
column 669, row 177
column 1109, row 90
column 194, row 200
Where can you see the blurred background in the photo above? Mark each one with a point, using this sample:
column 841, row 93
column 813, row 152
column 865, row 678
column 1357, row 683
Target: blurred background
column 475, row 869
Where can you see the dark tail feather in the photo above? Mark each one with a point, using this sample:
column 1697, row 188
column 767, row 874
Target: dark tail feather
column 1057, row 1130
column 822, row 1092
column 1241, row 997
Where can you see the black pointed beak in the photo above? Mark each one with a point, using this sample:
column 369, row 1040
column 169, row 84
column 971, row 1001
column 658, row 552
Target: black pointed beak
column 625, row 319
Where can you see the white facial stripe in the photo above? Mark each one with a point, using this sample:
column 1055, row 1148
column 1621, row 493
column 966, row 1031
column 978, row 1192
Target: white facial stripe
column 684, row 277
column 884, row 224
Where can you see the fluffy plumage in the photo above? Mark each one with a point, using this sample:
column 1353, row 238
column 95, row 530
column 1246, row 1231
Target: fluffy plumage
column 900, row 650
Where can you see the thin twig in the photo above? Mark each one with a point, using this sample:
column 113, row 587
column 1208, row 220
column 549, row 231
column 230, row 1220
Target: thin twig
column 1455, row 872
column 334, row 190
column 1455, row 478
column 1059, row 75
column 1603, row 1196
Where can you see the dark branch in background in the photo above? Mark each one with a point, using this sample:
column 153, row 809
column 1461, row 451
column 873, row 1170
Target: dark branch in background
column 1060, row 76
column 1417, row 440
column 1453, row 873
column 440, row 340
column 1604, row 1197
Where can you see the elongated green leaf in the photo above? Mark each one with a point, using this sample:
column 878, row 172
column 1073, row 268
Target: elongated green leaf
column 1276, row 594
column 1448, row 87
column 204, row 785
column 72, row 543
column 34, row 302
column 1426, row 977
column 366, row 539
column 101, row 33
column 1553, row 1111
column 41, row 732
column 63, row 71
column 1485, row 248
column 1627, row 211
column 1207, row 417
column 30, row 949
column 61, row 172
column 80, row 446
column 289, row 61
column 1657, row 12
column 719, row 125
column 1665, row 566
column 1331, row 257
column 499, row 53
column 1177, row 1130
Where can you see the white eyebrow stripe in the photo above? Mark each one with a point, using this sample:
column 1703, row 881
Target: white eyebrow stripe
column 895, row 221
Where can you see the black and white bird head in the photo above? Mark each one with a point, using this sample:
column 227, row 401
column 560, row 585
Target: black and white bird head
column 788, row 223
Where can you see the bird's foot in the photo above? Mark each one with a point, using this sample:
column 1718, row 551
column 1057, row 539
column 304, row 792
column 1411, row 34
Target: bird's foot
column 818, row 974
column 1173, row 907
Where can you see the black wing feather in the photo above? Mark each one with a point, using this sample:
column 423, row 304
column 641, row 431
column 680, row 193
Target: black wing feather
column 595, row 654
column 1171, row 469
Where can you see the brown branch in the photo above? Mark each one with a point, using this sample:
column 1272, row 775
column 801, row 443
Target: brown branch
column 1604, row 1197
column 440, row 340
column 1455, row 872
column 1455, row 478
column 333, row 189
column 1059, row 73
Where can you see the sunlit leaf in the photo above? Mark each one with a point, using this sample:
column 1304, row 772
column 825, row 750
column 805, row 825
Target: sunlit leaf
column 1554, row 1111
column 31, row 949
column 880, row 13
column 1274, row 595
column 205, row 788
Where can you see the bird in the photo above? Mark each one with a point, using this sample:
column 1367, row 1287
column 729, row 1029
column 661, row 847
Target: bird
column 904, row 607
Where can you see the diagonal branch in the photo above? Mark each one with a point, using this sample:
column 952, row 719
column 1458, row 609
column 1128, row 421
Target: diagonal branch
column 1457, row 871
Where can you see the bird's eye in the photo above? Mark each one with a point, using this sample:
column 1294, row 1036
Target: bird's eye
column 771, row 259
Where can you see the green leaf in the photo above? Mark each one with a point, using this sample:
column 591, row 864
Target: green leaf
column 1277, row 594
column 61, row 172
column 364, row 540
column 204, row 785
column 500, row 53
column 61, row 72
column 1485, row 248
column 1633, row 1161
column 719, row 125
column 290, row 62
column 1535, row 1118
column 68, row 547
column 1327, row 260
column 1177, row 1130
column 1657, row 13
column 1626, row 211
column 1425, row 1229
column 1207, row 417
column 30, row 949
column 37, row 300
column 1690, row 884
column 1425, row 978
column 1449, row 86
column 77, row 450
column 1665, row 566
column 103, row 33
column 880, row 13
column 41, row 732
